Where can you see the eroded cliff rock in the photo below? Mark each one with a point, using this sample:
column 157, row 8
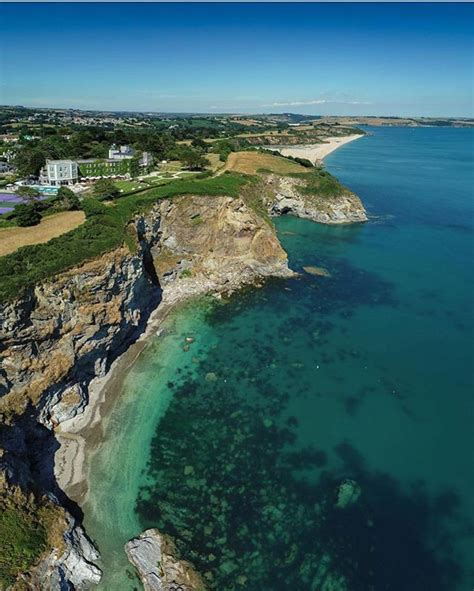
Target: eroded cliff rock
column 214, row 244
column 66, row 331
column 287, row 197
column 60, row 336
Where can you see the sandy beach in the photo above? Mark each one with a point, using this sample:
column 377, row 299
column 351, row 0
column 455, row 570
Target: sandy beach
column 81, row 434
column 317, row 152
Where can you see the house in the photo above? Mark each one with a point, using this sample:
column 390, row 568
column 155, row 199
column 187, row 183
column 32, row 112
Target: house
column 111, row 167
column 59, row 172
column 120, row 153
column 146, row 160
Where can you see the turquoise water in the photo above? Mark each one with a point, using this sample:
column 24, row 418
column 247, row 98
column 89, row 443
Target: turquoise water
column 238, row 446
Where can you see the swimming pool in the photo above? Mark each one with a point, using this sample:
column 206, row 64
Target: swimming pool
column 9, row 200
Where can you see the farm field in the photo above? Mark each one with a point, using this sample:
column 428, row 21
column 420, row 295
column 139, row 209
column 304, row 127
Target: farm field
column 50, row 227
column 252, row 162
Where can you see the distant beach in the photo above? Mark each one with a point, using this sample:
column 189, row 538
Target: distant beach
column 316, row 152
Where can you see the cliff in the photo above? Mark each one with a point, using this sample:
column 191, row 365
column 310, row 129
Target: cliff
column 291, row 195
column 66, row 332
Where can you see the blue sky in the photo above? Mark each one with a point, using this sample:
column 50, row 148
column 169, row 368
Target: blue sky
column 392, row 59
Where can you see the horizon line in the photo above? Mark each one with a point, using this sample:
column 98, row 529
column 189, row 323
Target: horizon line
column 217, row 113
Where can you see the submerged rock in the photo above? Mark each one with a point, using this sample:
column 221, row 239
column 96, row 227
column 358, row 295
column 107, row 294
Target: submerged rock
column 154, row 556
column 326, row 579
column 320, row 271
column 348, row 493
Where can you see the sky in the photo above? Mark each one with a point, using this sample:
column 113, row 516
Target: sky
column 361, row 59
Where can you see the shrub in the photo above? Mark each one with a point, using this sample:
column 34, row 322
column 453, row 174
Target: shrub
column 29, row 527
column 67, row 199
column 27, row 214
column 23, row 541
column 28, row 193
column 303, row 161
column 105, row 189
column 321, row 183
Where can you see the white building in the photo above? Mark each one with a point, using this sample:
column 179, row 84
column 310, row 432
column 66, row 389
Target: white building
column 120, row 153
column 59, row 172
column 146, row 159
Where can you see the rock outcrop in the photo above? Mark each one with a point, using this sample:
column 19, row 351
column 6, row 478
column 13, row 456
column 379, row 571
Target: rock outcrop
column 214, row 245
column 74, row 568
column 154, row 556
column 285, row 197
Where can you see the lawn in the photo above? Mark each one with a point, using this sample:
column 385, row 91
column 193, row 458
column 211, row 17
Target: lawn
column 215, row 162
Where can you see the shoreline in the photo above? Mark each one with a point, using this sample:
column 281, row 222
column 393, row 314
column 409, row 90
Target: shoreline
column 317, row 152
column 80, row 435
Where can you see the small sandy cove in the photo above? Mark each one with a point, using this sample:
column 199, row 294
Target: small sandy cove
column 316, row 152
column 80, row 435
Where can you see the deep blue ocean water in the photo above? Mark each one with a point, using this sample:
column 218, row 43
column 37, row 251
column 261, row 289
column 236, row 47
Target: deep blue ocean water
column 241, row 443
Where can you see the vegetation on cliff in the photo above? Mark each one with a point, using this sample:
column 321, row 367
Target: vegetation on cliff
column 321, row 183
column 29, row 527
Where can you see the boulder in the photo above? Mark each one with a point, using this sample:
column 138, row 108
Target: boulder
column 154, row 555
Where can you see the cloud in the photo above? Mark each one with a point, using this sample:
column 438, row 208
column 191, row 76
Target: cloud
column 315, row 102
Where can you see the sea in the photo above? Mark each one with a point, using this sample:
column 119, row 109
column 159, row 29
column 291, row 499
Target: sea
column 316, row 433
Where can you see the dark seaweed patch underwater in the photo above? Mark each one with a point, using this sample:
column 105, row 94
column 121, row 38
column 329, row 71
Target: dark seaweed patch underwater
column 253, row 510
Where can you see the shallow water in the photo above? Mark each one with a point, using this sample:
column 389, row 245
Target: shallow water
column 238, row 446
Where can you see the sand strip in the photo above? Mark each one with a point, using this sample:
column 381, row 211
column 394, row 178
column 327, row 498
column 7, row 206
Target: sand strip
column 81, row 434
column 316, row 152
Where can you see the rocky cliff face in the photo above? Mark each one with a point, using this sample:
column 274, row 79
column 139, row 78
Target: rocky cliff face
column 285, row 197
column 214, row 244
column 67, row 331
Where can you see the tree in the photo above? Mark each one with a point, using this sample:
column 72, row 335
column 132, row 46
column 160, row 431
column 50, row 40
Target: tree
column 105, row 189
column 68, row 199
column 29, row 161
column 28, row 193
column 199, row 143
column 54, row 147
column 27, row 214
column 193, row 160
